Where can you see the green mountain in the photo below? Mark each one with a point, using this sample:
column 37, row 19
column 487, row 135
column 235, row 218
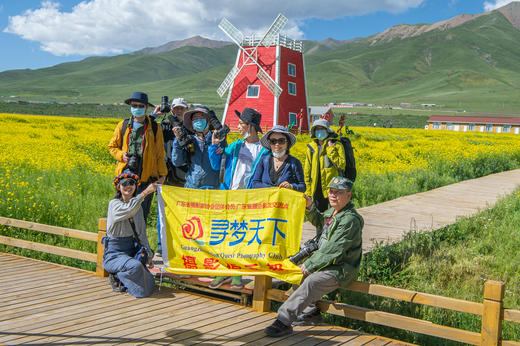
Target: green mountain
column 470, row 62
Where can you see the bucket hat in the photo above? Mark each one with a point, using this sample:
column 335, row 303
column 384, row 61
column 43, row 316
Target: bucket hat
column 139, row 97
column 323, row 123
column 188, row 121
column 264, row 141
column 179, row 102
column 251, row 117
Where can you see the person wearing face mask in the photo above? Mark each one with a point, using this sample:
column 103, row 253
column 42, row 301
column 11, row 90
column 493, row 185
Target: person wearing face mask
column 279, row 168
column 200, row 174
column 241, row 161
column 138, row 146
column 324, row 159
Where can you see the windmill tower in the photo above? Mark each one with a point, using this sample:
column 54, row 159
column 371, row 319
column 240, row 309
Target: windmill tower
column 268, row 76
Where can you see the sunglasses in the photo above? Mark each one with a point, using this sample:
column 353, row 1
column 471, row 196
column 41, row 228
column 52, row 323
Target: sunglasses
column 138, row 105
column 128, row 183
column 280, row 141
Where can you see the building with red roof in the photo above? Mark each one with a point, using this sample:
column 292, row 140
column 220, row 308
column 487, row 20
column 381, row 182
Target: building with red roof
column 474, row 123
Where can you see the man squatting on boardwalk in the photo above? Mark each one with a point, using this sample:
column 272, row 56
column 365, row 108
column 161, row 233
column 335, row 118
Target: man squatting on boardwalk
column 334, row 264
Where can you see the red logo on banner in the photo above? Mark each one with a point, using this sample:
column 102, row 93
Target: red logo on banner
column 192, row 229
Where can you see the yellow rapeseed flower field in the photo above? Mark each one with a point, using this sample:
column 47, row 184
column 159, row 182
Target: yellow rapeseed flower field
column 68, row 143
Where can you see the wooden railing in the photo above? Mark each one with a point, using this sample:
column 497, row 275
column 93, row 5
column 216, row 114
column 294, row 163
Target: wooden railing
column 492, row 311
column 56, row 250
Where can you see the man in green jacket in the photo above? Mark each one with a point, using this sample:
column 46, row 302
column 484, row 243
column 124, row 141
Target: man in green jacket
column 335, row 264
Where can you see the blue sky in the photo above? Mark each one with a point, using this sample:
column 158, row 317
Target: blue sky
column 38, row 33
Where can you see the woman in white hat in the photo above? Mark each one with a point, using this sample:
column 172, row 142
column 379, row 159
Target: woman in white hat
column 324, row 159
column 279, row 168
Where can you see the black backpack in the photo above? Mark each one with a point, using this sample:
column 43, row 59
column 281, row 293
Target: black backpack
column 125, row 126
column 350, row 164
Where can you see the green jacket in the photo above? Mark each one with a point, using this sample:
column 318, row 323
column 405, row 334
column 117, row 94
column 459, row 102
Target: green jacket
column 339, row 246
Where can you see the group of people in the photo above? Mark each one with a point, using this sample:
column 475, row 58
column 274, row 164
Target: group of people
column 184, row 148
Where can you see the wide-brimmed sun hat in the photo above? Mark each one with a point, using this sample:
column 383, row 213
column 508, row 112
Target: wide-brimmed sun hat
column 187, row 119
column 264, row 141
column 252, row 117
column 138, row 96
column 124, row 176
column 323, row 123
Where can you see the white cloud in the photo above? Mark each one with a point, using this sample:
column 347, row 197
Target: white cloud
column 493, row 5
column 114, row 26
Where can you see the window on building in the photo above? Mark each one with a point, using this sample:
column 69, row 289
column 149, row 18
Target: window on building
column 449, row 126
column 489, row 127
column 507, row 128
column 482, row 127
column 437, row 126
column 472, row 127
column 291, row 70
column 253, row 90
column 292, row 118
column 292, row 88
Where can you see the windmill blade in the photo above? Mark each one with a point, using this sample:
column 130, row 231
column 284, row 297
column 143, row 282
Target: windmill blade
column 226, row 83
column 273, row 31
column 231, row 31
column 269, row 82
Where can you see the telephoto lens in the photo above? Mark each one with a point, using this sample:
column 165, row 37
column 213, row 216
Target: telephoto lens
column 165, row 105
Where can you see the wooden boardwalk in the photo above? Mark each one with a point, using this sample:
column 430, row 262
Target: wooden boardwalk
column 388, row 222
column 44, row 303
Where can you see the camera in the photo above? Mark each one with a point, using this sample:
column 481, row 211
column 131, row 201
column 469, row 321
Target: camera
column 134, row 164
column 165, row 105
column 185, row 137
column 309, row 247
column 220, row 130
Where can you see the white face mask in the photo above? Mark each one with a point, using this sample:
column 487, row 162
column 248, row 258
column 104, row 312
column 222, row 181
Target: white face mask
column 246, row 135
column 278, row 155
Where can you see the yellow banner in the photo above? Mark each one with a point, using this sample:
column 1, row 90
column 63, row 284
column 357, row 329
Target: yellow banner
column 231, row 232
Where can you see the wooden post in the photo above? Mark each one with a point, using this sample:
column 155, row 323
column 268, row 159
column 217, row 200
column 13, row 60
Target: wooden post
column 102, row 227
column 260, row 301
column 492, row 313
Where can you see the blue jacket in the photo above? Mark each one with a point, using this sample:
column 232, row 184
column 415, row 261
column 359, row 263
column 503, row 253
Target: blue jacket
column 292, row 173
column 200, row 173
column 231, row 162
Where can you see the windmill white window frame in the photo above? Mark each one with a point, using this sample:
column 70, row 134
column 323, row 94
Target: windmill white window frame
column 253, row 87
column 291, row 88
column 291, row 69
column 292, row 118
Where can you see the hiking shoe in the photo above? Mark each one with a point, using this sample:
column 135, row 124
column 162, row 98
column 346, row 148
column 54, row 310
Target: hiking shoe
column 278, row 329
column 117, row 286
column 219, row 281
column 313, row 318
column 236, row 282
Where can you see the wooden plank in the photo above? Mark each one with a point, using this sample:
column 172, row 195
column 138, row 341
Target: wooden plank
column 400, row 322
column 313, row 336
column 345, row 337
column 417, row 297
column 86, row 256
column 512, row 315
column 67, row 232
column 129, row 308
column 53, row 264
column 491, row 331
column 510, row 343
column 262, row 285
column 100, row 271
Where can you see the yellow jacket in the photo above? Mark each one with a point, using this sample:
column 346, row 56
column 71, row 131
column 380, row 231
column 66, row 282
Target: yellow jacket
column 153, row 155
column 330, row 158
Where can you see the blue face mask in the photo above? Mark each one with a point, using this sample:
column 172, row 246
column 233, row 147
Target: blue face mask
column 321, row 134
column 137, row 112
column 199, row 125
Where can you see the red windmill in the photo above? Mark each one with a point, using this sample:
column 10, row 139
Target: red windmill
column 268, row 76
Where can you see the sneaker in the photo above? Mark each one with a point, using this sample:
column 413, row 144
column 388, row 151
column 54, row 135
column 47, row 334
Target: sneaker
column 219, row 281
column 236, row 283
column 278, row 329
column 312, row 318
column 158, row 253
column 115, row 283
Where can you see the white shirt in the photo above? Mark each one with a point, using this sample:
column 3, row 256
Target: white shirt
column 246, row 158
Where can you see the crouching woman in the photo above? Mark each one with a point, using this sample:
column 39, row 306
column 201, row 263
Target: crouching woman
column 124, row 220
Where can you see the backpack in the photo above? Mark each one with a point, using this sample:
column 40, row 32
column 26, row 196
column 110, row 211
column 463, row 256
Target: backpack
column 350, row 164
column 125, row 126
